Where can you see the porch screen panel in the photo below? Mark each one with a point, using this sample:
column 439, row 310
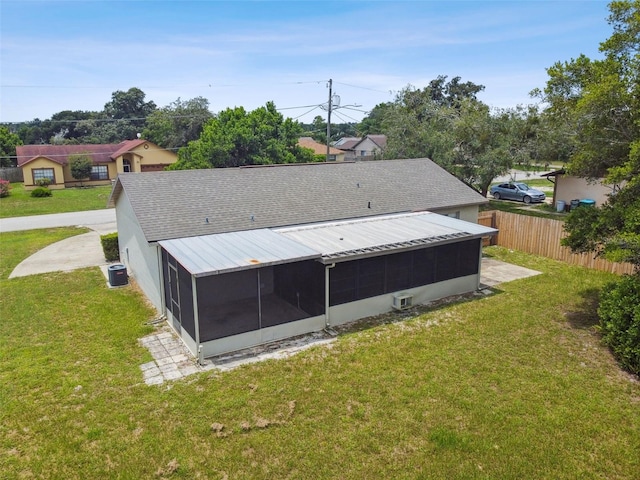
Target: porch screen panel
column 447, row 262
column 228, row 304
column 370, row 277
column 342, row 282
column 469, row 257
column 399, row 267
column 186, row 301
column 424, row 267
column 301, row 284
column 178, row 288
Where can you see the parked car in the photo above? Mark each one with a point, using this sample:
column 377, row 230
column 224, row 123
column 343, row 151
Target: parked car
column 517, row 191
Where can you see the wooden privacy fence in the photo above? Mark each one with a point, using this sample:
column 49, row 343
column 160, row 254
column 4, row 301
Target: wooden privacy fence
column 541, row 236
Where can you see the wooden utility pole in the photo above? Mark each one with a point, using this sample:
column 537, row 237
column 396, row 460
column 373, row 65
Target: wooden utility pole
column 329, row 119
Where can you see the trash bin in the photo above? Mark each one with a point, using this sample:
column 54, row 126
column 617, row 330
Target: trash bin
column 575, row 204
column 587, row 202
column 560, row 206
column 117, row 275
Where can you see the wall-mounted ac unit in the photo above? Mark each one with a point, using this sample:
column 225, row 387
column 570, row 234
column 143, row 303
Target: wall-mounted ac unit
column 402, row 301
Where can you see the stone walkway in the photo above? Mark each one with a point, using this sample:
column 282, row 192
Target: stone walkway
column 171, row 359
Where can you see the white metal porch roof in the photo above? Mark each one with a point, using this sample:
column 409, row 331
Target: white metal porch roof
column 228, row 252
column 374, row 235
column 327, row 242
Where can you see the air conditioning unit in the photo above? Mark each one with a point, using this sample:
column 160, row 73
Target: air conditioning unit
column 402, row 301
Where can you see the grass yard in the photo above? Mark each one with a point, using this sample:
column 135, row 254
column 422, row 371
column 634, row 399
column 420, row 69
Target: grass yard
column 20, row 203
column 511, row 386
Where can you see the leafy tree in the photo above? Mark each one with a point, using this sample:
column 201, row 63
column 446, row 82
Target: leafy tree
column 372, row 123
column 80, row 165
column 461, row 135
column 129, row 104
column 600, row 100
column 178, row 123
column 8, row 143
column 235, row 138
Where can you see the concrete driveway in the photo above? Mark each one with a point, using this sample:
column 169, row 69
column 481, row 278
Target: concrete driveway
column 71, row 253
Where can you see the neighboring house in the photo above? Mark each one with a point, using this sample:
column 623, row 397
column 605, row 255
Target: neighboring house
column 335, row 155
column 567, row 188
column 52, row 162
column 366, row 148
column 237, row 257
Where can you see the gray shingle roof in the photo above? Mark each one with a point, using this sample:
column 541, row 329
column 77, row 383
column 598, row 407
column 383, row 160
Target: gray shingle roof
column 188, row 203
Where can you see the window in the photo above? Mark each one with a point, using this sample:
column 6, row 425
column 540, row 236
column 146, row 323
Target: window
column 43, row 174
column 126, row 166
column 99, row 172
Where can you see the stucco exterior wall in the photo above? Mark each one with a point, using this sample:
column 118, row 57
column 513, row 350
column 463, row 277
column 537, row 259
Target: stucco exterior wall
column 141, row 158
column 468, row 213
column 141, row 259
column 58, row 172
column 574, row 188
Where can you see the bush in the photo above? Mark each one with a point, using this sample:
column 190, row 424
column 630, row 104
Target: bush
column 110, row 247
column 5, row 188
column 619, row 313
column 43, row 182
column 41, row 192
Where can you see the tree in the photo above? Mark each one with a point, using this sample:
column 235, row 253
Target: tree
column 178, row 123
column 372, row 123
column 461, row 135
column 8, row 143
column 235, row 138
column 600, row 100
column 80, row 165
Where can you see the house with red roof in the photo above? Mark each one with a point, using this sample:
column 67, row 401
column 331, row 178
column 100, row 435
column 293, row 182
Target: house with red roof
column 335, row 155
column 51, row 162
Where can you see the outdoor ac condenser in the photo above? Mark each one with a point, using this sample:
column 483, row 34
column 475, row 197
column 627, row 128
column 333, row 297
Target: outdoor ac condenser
column 402, row 301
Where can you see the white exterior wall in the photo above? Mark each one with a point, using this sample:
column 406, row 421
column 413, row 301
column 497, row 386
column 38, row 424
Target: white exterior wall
column 575, row 188
column 347, row 312
column 468, row 214
column 258, row 337
column 367, row 146
column 141, row 259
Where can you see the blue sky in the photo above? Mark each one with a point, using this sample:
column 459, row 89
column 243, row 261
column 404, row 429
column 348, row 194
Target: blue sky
column 72, row 55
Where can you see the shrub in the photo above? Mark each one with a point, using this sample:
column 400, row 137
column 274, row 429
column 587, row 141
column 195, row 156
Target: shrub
column 619, row 313
column 5, row 188
column 43, row 182
column 41, row 192
column 110, row 247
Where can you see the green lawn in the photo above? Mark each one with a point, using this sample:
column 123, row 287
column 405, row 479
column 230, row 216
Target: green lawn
column 20, row 203
column 511, row 386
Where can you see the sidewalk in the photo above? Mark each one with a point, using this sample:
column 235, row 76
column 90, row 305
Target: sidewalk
column 90, row 218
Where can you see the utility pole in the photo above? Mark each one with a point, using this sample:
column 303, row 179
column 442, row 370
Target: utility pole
column 329, row 119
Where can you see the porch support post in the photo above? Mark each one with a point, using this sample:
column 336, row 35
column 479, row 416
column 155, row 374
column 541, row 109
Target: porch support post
column 196, row 320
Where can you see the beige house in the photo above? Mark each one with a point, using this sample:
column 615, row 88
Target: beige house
column 335, row 155
column 51, row 162
column 368, row 147
column 567, row 188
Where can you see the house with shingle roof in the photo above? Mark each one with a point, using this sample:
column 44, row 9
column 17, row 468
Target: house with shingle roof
column 362, row 148
column 238, row 257
column 51, row 162
column 335, row 154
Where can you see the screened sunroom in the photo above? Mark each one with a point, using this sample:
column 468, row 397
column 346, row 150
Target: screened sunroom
column 229, row 291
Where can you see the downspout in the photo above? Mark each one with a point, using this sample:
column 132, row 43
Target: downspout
column 327, row 321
